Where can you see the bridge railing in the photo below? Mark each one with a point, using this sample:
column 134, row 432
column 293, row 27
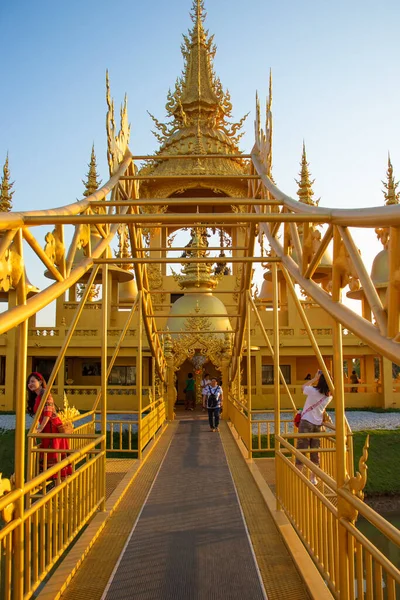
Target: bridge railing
column 312, row 510
column 257, row 432
column 51, row 519
column 239, row 417
column 263, row 429
column 152, row 418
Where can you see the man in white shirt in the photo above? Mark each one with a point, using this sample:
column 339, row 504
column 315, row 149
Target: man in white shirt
column 206, row 381
column 214, row 403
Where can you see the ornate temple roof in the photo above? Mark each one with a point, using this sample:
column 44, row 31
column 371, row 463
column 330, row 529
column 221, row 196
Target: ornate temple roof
column 198, row 110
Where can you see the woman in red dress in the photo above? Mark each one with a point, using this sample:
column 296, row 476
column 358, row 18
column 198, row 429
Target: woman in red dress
column 48, row 423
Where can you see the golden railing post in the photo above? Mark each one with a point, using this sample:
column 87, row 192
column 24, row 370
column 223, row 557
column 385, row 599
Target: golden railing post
column 104, row 344
column 248, row 359
column 170, row 372
column 171, row 389
column 20, row 403
column 340, row 423
column 139, row 372
column 277, row 387
column 225, row 387
column 393, row 293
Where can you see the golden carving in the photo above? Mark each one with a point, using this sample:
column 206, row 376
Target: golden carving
column 6, row 485
column 154, row 276
column 346, row 269
column 305, row 191
column 357, row 483
column 391, row 197
column 11, row 269
column 124, row 250
column 264, row 137
column 391, row 194
column 117, row 144
column 6, row 193
column 198, row 110
column 54, row 248
column 238, row 282
column 382, row 234
column 197, row 274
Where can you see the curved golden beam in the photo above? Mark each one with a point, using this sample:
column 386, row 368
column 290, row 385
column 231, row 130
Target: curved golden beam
column 13, row 220
column 358, row 325
column 18, row 314
column 377, row 216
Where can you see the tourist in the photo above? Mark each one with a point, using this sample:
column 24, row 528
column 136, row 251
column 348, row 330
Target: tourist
column 49, row 421
column 190, row 392
column 307, row 377
column 205, row 382
column 312, row 416
column 354, row 379
column 214, row 404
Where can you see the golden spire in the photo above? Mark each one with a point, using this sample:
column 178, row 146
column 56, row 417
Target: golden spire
column 268, row 125
column 6, row 193
column 305, row 192
column 92, row 184
column 390, row 193
column 199, row 85
column 198, row 103
column 197, row 274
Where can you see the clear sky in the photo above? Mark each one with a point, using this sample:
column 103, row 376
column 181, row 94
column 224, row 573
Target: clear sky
column 336, row 85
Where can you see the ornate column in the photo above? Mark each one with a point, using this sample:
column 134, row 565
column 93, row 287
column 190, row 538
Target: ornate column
column 171, row 389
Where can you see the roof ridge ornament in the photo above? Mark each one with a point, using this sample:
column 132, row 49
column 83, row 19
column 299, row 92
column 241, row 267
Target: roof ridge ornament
column 6, row 193
column 117, row 143
column 305, row 191
column 391, row 194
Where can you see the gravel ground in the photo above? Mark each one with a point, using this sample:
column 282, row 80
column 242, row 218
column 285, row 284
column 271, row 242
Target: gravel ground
column 8, row 422
column 358, row 420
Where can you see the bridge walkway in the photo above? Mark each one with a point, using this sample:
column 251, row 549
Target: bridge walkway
column 193, row 525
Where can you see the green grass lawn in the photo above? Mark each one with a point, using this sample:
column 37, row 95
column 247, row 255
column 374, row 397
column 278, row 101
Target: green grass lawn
column 7, row 441
column 383, row 462
column 383, row 457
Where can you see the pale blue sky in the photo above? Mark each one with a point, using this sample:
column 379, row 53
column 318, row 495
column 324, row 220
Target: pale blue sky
column 336, row 84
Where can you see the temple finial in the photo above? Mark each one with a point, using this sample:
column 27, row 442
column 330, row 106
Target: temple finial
column 390, row 193
column 305, row 191
column 268, row 125
column 6, row 192
column 92, row 183
column 198, row 105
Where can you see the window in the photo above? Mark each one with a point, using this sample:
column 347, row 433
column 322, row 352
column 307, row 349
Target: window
column 121, row 375
column 43, row 366
column 91, row 369
column 267, row 374
column 2, row 370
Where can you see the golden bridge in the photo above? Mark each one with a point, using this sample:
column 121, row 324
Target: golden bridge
column 157, row 506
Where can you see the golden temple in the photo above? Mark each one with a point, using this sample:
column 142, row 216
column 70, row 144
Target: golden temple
column 153, row 276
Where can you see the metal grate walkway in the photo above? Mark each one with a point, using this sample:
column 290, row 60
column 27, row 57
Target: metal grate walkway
column 190, row 540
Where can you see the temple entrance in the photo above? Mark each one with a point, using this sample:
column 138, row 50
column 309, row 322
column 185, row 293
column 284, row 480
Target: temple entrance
column 198, row 375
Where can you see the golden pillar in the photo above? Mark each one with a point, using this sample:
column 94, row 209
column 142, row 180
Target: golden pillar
column 20, row 410
column 277, row 386
column 171, row 389
column 387, row 383
column 139, row 371
column 341, row 472
column 104, row 343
